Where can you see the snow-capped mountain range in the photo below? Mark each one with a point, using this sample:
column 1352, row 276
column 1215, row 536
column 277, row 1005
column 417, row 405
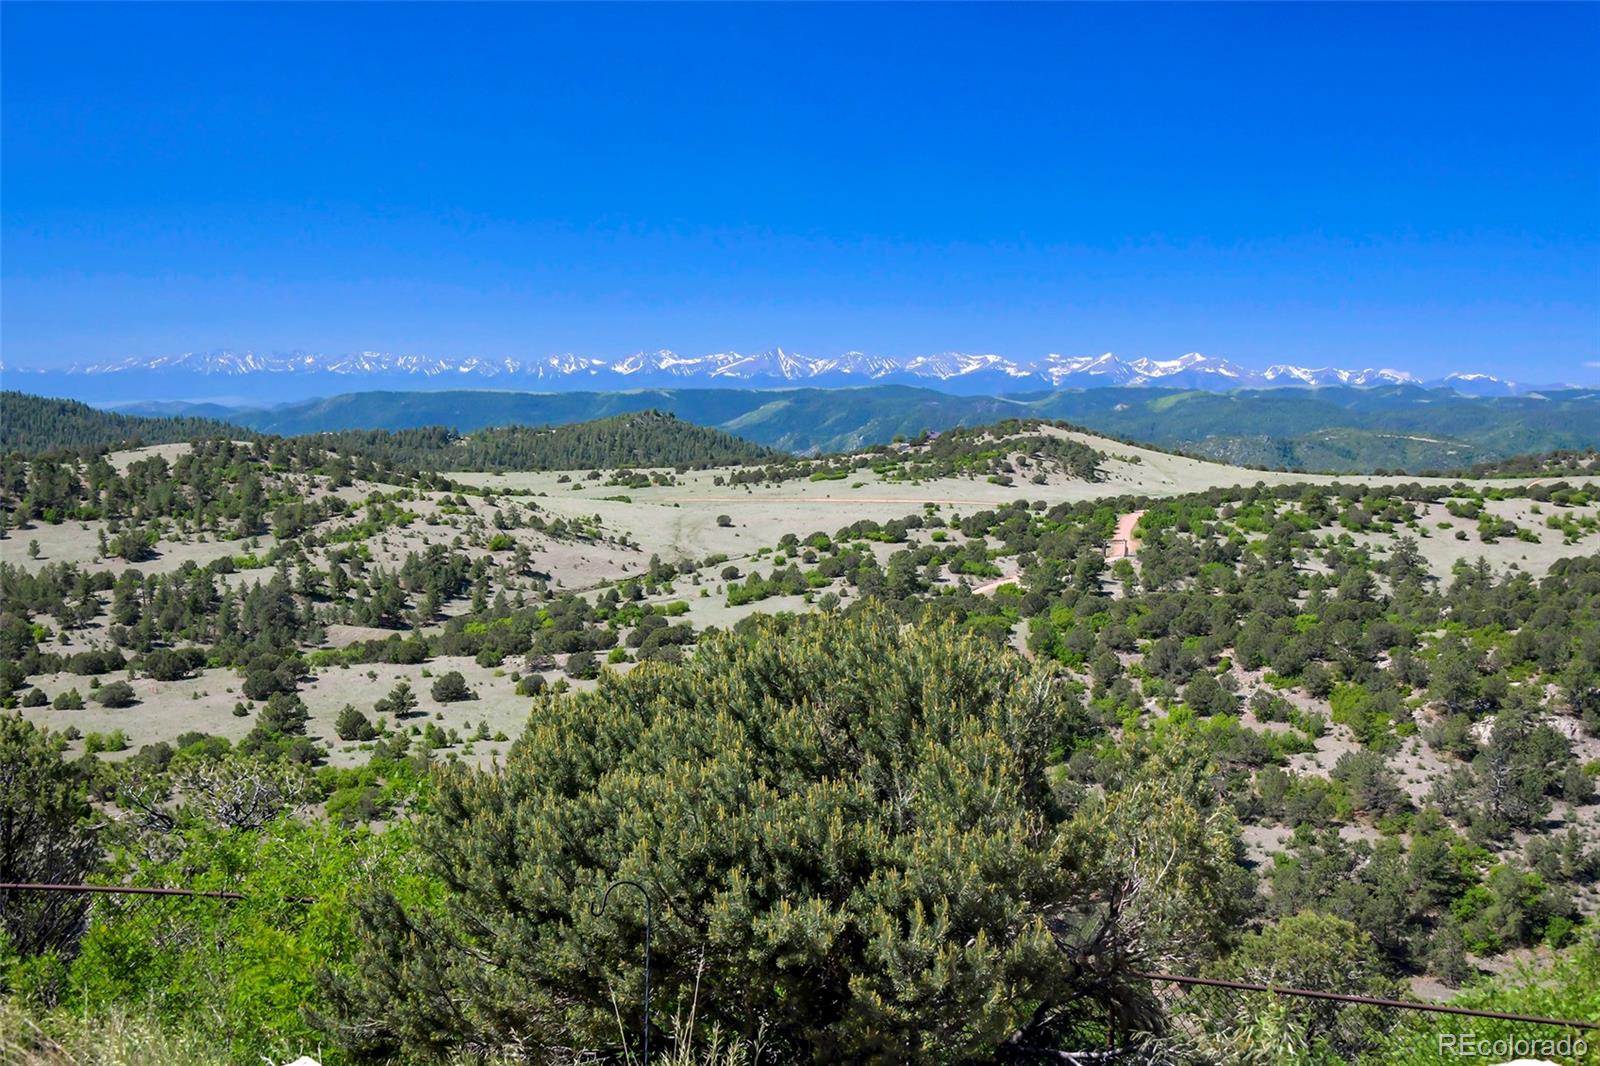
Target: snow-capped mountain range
column 951, row 371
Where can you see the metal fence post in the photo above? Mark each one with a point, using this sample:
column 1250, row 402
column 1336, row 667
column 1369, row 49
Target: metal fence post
column 597, row 909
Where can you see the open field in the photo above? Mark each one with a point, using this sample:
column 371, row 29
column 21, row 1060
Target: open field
column 680, row 521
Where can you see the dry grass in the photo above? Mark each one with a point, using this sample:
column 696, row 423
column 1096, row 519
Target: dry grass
column 114, row 1038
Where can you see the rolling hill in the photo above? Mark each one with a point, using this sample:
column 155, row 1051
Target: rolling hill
column 1333, row 429
column 34, row 425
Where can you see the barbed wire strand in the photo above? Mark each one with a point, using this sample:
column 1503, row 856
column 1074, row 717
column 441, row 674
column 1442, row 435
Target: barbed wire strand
column 1169, row 978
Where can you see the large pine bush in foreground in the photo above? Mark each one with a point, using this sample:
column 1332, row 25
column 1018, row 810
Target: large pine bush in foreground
column 857, row 848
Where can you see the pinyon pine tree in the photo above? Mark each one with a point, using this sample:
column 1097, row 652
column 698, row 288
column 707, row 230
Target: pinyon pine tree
column 853, row 841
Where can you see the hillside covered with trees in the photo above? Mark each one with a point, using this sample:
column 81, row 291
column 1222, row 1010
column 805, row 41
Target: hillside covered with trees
column 926, row 752
column 36, row 424
column 644, row 439
column 1332, row 429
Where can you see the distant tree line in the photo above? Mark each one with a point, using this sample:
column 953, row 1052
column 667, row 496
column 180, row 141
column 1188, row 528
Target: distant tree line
column 35, row 424
column 641, row 439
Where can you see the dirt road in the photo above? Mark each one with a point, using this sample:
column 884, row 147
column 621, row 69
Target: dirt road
column 984, row 590
column 1123, row 543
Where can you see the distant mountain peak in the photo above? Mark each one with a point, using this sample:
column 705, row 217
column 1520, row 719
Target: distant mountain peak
column 955, row 371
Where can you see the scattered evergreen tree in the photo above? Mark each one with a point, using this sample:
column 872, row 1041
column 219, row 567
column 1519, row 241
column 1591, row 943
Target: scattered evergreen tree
column 353, row 725
column 116, row 694
column 451, row 687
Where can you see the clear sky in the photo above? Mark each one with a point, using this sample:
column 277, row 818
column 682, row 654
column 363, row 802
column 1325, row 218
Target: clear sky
column 1415, row 186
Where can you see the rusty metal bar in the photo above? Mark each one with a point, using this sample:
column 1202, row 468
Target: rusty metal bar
column 1369, row 1001
column 1171, row 978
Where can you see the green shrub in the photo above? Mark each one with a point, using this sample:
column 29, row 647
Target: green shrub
column 583, row 665
column 116, row 694
column 353, row 725
column 849, row 822
column 451, row 687
column 95, row 743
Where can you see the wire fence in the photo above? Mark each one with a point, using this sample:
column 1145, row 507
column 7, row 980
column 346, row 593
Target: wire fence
column 1365, row 1001
column 1180, row 980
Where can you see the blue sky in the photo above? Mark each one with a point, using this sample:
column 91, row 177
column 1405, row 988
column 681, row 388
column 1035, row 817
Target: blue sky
column 1415, row 186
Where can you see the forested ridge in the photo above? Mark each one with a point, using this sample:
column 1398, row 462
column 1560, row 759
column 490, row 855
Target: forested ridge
column 34, row 425
column 645, row 439
column 1334, row 429
column 652, row 438
column 627, row 443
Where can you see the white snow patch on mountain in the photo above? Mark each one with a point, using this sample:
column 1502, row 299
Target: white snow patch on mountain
column 785, row 366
